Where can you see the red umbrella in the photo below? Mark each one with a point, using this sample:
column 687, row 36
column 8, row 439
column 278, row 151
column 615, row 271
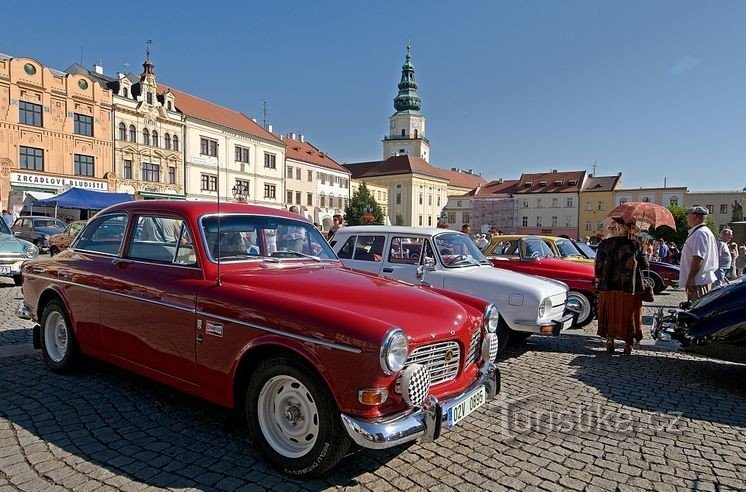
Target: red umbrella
column 644, row 214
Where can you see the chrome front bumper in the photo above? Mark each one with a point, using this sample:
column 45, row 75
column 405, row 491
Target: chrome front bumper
column 23, row 312
column 549, row 327
column 423, row 423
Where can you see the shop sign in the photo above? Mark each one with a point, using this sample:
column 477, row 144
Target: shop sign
column 27, row 179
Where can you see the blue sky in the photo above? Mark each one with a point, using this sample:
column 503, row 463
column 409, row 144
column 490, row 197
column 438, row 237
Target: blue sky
column 654, row 89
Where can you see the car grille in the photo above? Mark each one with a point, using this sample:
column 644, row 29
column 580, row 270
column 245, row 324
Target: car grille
column 434, row 358
column 474, row 354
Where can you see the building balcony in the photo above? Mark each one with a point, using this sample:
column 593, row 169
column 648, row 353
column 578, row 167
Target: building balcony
column 408, row 137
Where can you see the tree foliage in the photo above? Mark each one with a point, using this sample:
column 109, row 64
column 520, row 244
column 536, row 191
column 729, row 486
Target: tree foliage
column 362, row 205
column 682, row 228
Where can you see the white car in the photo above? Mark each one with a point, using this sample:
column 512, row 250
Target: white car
column 450, row 260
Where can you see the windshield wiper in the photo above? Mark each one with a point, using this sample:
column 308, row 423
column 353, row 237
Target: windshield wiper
column 281, row 254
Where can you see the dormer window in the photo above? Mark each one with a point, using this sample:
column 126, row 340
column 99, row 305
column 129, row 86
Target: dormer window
column 150, row 98
column 572, row 181
column 528, row 184
column 558, row 182
column 542, row 183
column 125, row 92
column 169, row 106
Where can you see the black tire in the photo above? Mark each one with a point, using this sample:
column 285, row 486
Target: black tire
column 588, row 307
column 53, row 251
column 294, row 388
column 58, row 344
column 504, row 334
column 17, row 279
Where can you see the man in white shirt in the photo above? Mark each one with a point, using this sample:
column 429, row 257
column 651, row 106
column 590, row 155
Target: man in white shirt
column 699, row 256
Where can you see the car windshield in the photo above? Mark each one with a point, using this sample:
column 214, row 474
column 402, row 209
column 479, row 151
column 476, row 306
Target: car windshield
column 4, row 228
column 458, row 250
column 240, row 237
column 587, row 251
column 74, row 228
column 534, row 247
column 49, row 224
column 566, row 248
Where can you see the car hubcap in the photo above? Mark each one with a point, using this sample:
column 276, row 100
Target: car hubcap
column 583, row 303
column 288, row 416
column 55, row 334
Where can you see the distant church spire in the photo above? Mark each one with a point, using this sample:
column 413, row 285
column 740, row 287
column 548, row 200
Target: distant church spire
column 148, row 65
column 407, row 99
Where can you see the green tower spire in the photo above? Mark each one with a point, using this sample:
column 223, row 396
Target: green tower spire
column 407, row 99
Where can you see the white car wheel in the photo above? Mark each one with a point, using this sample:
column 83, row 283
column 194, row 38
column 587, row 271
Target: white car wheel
column 587, row 310
column 58, row 344
column 55, row 336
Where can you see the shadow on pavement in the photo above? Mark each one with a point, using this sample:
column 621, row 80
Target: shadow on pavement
column 146, row 432
column 15, row 336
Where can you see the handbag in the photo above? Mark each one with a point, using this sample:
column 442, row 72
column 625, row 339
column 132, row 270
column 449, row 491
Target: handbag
column 647, row 291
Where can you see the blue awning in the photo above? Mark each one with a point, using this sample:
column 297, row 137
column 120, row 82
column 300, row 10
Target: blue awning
column 83, row 199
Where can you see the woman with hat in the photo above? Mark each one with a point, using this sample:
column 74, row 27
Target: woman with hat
column 619, row 263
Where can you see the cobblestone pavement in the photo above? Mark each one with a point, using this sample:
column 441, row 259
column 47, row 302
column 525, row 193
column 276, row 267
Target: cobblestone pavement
column 570, row 417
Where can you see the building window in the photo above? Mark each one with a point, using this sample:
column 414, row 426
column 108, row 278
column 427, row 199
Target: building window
column 429, row 200
column 83, row 165
column 127, row 169
column 145, row 136
column 243, row 184
column 601, row 205
column 723, row 209
column 297, row 173
column 176, row 142
column 429, row 218
column 588, row 206
column 524, row 203
column 524, row 221
column 568, row 220
column 270, row 160
column 538, row 221
column 539, row 204
column 29, row 113
column 554, row 221
column 167, row 141
column 289, row 173
column 322, row 178
column 150, row 98
column 555, row 202
column 288, row 196
column 569, row 203
column 242, row 154
column 171, row 175
column 587, row 226
column 438, row 204
column 122, row 131
column 622, row 201
column 208, row 147
column 156, row 142
column 399, row 220
column 419, row 217
column 710, row 208
column 270, row 190
column 83, row 125
column 309, row 199
column 125, row 92
column 310, row 176
column 466, row 217
column 133, row 133
column 451, row 217
column 673, row 201
column 169, row 106
column 151, row 172
column 322, row 201
column 208, row 182
column 421, row 198
column 298, row 194
column 32, row 158
column 398, row 198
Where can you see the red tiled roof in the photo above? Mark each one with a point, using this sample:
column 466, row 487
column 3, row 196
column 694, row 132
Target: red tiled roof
column 462, row 179
column 305, row 152
column 552, row 182
column 507, row 187
column 398, row 164
column 601, row 183
column 208, row 111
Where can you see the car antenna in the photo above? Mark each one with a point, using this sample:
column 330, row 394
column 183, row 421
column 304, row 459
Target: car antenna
column 218, row 282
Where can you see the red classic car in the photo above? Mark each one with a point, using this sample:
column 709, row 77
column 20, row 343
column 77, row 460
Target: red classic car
column 249, row 308
column 60, row 242
column 531, row 255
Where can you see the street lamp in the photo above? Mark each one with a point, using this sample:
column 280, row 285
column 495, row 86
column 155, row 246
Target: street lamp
column 240, row 191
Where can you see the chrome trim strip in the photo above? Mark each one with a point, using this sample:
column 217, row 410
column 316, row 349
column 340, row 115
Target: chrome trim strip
column 66, row 282
column 149, row 301
column 323, row 343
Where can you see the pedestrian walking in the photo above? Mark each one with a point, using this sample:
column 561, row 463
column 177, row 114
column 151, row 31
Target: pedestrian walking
column 741, row 261
column 699, row 255
column 620, row 260
column 733, row 272
column 725, row 260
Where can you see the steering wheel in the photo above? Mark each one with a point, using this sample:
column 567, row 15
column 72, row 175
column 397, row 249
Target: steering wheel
column 534, row 254
column 458, row 258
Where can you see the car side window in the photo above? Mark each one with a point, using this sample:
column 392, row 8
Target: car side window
column 103, row 234
column 406, row 250
column 347, row 248
column 506, row 248
column 369, row 248
column 162, row 239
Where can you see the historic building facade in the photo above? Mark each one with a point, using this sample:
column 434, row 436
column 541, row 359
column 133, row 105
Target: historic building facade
column 314, row 182
column 725, row 206
column 55, row 131
column 229, row 154
column 548, row 202
column 596, row 201
column 148, row 134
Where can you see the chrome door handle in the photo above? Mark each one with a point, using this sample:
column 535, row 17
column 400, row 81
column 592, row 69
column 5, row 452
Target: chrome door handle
column 63, row 275
column 388, row 270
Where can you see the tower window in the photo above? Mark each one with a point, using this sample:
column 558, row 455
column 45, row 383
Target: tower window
column 416, row 133
column 403, row 132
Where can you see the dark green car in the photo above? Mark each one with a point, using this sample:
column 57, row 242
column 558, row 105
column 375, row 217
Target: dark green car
column 13, row 252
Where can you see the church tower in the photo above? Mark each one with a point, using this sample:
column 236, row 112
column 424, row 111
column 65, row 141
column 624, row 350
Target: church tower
column 407, row 125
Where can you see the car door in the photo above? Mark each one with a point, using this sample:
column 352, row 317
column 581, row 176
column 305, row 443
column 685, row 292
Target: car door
column 22, row 230
column 362, row 252
column 148, row 310
column 403, row 257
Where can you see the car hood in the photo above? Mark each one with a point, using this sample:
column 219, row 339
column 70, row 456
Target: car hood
column 11, row 244
column 356, row 297
column 496, row 280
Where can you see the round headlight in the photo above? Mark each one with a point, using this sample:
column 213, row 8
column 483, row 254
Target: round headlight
column 394, row 351
column 30, row 251
column 491, row 318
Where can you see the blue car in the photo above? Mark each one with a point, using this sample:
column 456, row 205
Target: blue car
column 37, row 230
column 13, row 253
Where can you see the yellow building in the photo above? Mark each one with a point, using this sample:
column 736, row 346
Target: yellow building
column 55, row 130
column 597, row 198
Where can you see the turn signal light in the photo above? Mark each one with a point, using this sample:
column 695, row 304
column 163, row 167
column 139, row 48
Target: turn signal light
column 546, row 329
column 372, row 396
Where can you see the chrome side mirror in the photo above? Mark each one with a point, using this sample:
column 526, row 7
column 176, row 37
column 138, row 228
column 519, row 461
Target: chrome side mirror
column 428, row 264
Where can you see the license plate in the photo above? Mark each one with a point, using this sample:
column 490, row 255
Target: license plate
column 4, row 269
column 567, row 324
column 462, row 410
